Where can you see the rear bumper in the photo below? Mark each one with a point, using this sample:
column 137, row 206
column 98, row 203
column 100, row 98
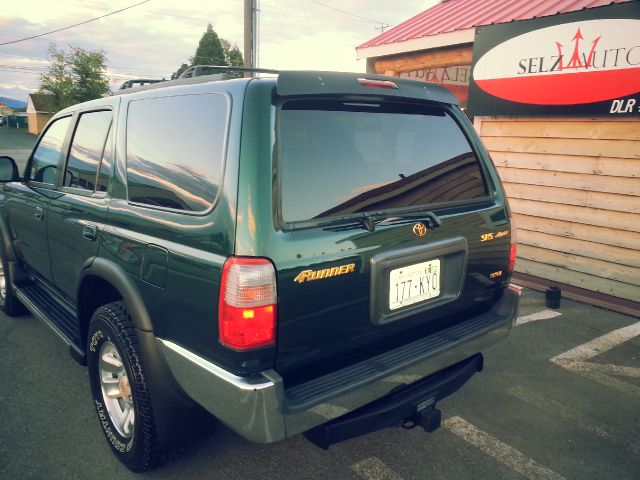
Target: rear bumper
column 260, row 409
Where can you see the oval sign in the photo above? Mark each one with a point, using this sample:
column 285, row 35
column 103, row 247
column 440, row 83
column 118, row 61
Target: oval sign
column 568, row 64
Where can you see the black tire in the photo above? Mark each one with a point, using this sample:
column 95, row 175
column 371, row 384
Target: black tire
column 113, row 353
column 9, row 303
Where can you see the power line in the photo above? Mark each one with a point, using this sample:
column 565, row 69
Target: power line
column 348, row 13
column 74, row 25
column 24, row 67
column 41, row 70
column 22, row 56
column 146, row 71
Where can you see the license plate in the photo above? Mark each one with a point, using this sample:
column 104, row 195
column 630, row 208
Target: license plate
column 414, row 283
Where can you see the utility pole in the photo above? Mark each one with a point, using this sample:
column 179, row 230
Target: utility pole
column 250, row 35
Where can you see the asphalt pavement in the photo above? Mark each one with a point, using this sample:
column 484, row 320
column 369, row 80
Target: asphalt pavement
column 560, row 398
column 17, row 143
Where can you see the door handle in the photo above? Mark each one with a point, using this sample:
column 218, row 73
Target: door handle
column 39, row 214
column 90, row 232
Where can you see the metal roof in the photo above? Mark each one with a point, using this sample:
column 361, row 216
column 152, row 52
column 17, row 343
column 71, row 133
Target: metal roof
column 452, row 15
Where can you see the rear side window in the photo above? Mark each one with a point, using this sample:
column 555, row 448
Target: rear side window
column 87, row 149
column 106, row 166
column 338, row 158
column 44, row 163
column 175, row 149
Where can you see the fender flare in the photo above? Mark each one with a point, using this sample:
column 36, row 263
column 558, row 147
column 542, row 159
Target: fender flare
column 7, row 244
column 118, row 277
column 17, row 275
column 178, row 419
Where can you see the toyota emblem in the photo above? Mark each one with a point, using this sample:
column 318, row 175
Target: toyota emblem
column 419, row 229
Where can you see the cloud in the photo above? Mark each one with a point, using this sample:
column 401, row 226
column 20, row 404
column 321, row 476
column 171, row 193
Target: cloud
column 154, row 39
column 10, row 86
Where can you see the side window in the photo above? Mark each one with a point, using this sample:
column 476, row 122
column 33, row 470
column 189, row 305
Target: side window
column 44, row 163
column 106, row 166
column 86, row 150
column 176, row 163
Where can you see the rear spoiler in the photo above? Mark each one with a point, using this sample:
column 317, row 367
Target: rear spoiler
column 307, row 83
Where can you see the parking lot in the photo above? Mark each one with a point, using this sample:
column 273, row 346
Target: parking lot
column 559, row 399
column 16, row 143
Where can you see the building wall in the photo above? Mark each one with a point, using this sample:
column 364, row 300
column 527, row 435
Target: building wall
column 37, row 122
column 441, row 57
column 448, row 66
column 574, row 188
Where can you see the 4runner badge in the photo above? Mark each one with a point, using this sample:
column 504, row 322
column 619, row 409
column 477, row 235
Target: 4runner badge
column 309, row 275
column 419, row 229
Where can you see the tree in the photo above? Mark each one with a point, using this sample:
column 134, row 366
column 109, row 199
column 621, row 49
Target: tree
column 75, row 76
column 178, row 72
column 213, row 50
column 232, row 56
column 209, row 51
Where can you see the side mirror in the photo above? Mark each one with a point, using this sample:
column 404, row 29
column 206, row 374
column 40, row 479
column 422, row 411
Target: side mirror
column 47, row 174
column 8, row 170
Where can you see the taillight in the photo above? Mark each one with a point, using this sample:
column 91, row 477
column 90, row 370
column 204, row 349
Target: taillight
column 372, row 83
column 514, row 246
column 512, row 258
column 247, row 305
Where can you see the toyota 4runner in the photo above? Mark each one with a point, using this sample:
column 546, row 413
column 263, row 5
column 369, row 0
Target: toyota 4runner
column 319, row 253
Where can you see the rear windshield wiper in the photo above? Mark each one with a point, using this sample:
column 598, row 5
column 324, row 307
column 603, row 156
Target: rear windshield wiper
column 369, row 220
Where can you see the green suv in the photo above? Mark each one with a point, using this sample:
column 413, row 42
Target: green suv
column 319, row 253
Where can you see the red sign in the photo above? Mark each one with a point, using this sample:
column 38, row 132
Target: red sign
column 589, row 63
column 580, row 62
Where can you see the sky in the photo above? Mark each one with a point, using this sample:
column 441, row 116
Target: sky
column 153, row 39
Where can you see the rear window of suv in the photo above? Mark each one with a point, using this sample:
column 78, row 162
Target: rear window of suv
column 338, row 158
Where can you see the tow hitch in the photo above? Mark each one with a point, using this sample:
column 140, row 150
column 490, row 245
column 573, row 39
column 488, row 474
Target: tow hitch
column 408, row 406
column 429, row 420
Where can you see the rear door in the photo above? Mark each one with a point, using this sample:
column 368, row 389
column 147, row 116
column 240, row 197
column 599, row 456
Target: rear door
column 76, row 215
column 361, row 188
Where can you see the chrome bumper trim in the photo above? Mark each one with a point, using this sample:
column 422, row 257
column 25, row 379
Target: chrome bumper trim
column 256, row 408
column 251, row 406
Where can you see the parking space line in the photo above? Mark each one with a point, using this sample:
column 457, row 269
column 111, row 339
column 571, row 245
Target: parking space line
column 556, row 408
column 610, row 369
column 599, row 345
column 329, row 411
column 403, row 378
column 373, row 469
column 575, row 360
column 534, row 317
column 499, row 450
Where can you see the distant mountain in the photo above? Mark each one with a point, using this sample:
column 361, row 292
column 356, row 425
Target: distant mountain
column 11, row 103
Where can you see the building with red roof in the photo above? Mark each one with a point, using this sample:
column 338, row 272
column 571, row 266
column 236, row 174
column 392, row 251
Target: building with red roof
column 438, row 42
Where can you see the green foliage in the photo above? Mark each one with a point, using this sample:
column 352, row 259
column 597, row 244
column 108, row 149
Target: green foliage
column 232, row 57
column 178, row 72
column 76, row 75
column 213, row 50
column 209, row 51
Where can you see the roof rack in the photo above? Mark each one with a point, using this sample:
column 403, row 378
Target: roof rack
column 138, row 82
column 200, row 77
column 198, row 70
